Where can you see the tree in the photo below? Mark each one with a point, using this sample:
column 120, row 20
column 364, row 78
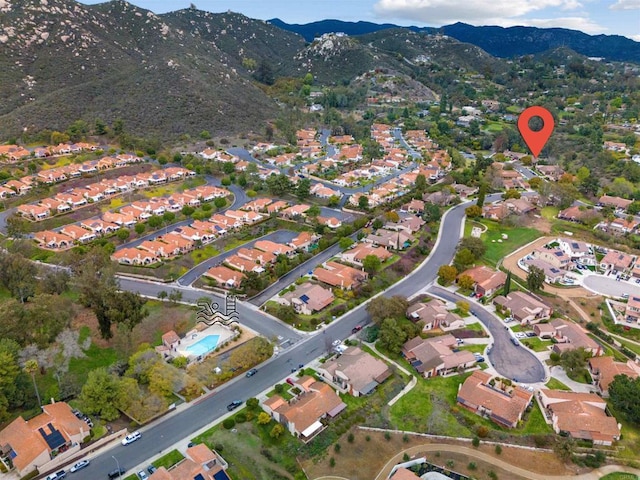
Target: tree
column 278, row 185
column 155, row 221
column 31, row 367
column 574, row 362
column 100, row 394
column 334, row 201
column 391, row 336
column 463, row 307
column 624, row 393
column 220, row 202
column 482, row 192
column 463, row 259
column 466, row 282
column 277, row 431
column 392, row 216
column 303, row 190
column 264, row 418
column 264, row 73
column 363, row 202
column 474, row 245
column 535, row 278
column 382, row 307
column 371, row 264
column 55, row 282
column 168, row 217
column 314, row 211
column 123, row 234
column 535, row 183
column 18, row 275
column 507, row 284
column 139, row 228
column 345, row 242
column 447, row 274
column 474, row 211
column 511, row 193
column 377, row 223
column 431, row 213
column 421, row 183
column 111, row 306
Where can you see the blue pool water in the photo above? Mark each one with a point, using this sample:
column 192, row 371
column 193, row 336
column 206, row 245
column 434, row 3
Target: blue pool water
column 204, row 346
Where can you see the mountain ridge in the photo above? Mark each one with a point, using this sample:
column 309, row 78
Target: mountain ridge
column 503, row 42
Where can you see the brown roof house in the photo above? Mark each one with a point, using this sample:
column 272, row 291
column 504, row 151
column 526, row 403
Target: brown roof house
column 355, row 372
column 225, row 276
column 486, row 280
column 604, row 369
column 523, row 307
column 615, row 260
column 357, row 254
column 434, row 314
column 303, row 414
column 338, row 275
column 54, row 434
column 435, row 356
column 201, row 463
column 571, row 336
column 632, row 309
column 620, row 204
column 483, row 396
column 307, row 298
column 580, row 415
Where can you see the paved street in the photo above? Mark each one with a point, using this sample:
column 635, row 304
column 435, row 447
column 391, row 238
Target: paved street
column 610, row 286
column 514, row 362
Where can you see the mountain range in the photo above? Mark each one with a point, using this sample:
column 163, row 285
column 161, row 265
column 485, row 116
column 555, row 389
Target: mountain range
column 498, row 41
column 189, row 70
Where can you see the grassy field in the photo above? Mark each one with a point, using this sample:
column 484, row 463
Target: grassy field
column 498, row 247
column 535, row 344
column 549, row 212
column 474, row 348
column 96, row 357
column 168, row 460
column 619, row 476
column 204, row 253
column 554, row 384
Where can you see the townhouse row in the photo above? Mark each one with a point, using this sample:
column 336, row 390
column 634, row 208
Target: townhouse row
column 78, row 197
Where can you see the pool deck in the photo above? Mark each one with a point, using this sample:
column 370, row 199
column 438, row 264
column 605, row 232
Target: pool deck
column 194, row 336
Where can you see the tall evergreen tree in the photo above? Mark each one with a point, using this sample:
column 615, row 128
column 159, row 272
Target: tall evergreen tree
column 507, row 284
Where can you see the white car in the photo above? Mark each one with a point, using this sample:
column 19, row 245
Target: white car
column 336, row 343
column 79, row 466
column 132, row 437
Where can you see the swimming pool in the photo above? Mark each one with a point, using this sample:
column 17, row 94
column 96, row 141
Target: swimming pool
column 204, row 346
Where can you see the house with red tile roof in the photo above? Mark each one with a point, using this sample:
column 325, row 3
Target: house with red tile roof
column 294, row 211
column 79, row 234
column 257, row 205
column 355, row 371
column 504, row 406
column 604, row 369
column 134, row 256
column 581, row 416
column 486, row 281
column 159, row 249
column 119, row 219
column 34, row 212
column 615, row 260
column 6, row 192
column 619, row 204
column 570, row 336
column 322, row 191
column 274, row 248
column 256, row 256
column 53, row 240
column 303, row 241
column 201, row 463
column 302, row 416
column 277, row 206
column 30, row 444
column 307, row 298
column 176, row 239
column 338, row 275
column 357, row 254
column 242, row 264
column 20, row 188
column 436, row 356
column 225, row 276
column 331, row 222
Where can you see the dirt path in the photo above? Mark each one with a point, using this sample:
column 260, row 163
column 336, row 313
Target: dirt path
column 471, row 452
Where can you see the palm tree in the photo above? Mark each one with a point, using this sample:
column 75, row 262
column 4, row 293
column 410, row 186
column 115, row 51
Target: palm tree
column 31, row 367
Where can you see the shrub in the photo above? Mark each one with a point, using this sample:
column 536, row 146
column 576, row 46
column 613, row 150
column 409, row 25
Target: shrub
column 498, row 449
column 405, row 438
column 350, row 438
column 336, row 448
column 493, row 475
column 475, row 442
column 279, row 388
column 229, row 423
column 472, row 466
column 367, row 438
column 405, row 457
column 387, row 436
column 219, row 447
column 241, row 418
column 332, row 462
column 482, row 431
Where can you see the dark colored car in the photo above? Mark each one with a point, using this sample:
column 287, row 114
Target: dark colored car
column 252, row 372
column 233, row 405
column 515, row 341
column 356, row 329
column 116, row 473
column 152, row 469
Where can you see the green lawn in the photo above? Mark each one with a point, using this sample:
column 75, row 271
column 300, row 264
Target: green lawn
column 534, row 424
column 474, row 348
column 475, row 326
column 96, row 357
column 619, row 476
column 498, row 247
column 549, row 212
column 554, row 384
column 201, row 254
column 169, row 460
column 631, row 346
column 535, row 344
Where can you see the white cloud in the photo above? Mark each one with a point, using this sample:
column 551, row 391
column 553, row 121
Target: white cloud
column 435, row 12
column 625, row 5
column 635, row 37
column 583, row 24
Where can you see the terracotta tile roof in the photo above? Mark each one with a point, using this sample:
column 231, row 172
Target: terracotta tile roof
column 606, row 369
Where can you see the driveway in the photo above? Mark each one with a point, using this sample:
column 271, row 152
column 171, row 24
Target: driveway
column 559, row 374
column 514, row 362
column 608, row 285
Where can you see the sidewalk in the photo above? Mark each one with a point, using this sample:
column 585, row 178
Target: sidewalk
column 559, row 374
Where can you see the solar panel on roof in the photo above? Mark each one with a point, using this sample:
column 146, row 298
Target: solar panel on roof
column 304, row 298
column 198, row 477
column 53, row 439
column 221, row 475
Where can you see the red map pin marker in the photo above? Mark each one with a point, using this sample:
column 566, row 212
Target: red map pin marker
column 536, row 140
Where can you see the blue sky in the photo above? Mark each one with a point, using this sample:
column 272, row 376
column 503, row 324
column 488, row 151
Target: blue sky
column 621, row 17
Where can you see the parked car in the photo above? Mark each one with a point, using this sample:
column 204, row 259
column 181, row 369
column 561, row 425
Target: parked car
column 233, row 405
column 290, row 381
column 142, row 475
column 132, row 437
column 515, row 341
column 151, row 469
column 79, row 466
column 356, row 329
column 335, row 343
column 252, row 372
column 116, row 473
column 56, row 476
